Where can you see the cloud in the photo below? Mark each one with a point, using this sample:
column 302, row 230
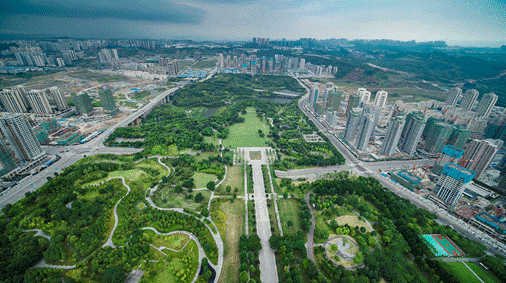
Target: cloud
column 153, row 11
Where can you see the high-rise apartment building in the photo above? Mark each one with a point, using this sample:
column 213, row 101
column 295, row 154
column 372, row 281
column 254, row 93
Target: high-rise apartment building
column 452, row 182
column 453, row 96
column 21, row 137
column 469, row 99
column 352, row 124
column 221, row 60
column 107, row 100
column 381, row 98
column 413, row 128
column 7, row 164
column 335, row 100
column 459, row 136
column 353, row 101
column 365, row 96
column 486, row 104
column 38, row 101
column 59, row 99
column 365, row 130
column 313, row 96
column 13, row 101
column 83, row 103
column 438, row 136
column 479, row 154
column 393, row 135
column 449, row 154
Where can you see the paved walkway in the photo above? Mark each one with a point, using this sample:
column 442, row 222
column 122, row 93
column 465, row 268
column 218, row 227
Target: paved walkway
column 39, row 233
column 275, row 200
column 310, row 234
column 268, row 268
column 109, row 242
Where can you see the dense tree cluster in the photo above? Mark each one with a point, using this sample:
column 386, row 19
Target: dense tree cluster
column 225, row 87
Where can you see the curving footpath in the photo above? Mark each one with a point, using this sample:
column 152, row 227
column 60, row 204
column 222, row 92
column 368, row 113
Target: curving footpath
column 216, row 237
column 109, row 242
column 202, row 253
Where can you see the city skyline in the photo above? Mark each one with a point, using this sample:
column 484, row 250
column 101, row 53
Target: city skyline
column 456, row 22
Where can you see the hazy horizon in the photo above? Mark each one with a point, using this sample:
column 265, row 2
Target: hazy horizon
column 457, row 22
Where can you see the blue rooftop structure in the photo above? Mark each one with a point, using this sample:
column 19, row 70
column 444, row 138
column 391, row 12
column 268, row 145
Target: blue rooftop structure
column 253, row 62
column 457, row 172
column 409, row 177
column 244, row 65
column 452, row 151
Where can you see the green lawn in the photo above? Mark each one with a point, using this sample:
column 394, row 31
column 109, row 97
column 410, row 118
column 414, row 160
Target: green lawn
column 201, row 179
column 179, row 200
column 246, row 134
column 462, row 273
column 235, row 179
column 212, row 140
column 289, row 211
column 231, row 232
column 486, row 276
column 205, row 64
column 179, row 267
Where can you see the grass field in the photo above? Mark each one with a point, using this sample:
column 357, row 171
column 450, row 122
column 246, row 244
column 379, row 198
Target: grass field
column 486, row 276
column 462, row 273
column 233, row 229
column 201, row 179
column 351, row 220
column 175, row 241
column 246, row 134
column 289, row 211
column 235, row 179
column 179, row 200
column 168, row 271
column 205, row 64
column 212, row 139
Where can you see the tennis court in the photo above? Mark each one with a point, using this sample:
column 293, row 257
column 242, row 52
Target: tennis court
column 441, row 245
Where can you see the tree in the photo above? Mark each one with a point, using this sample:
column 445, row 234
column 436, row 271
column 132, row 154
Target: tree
column 114, row 275
column 210, row 185
column 362, row 230
column 228, row 189
column 290, row 223
column 244, row 276
column 199, row 197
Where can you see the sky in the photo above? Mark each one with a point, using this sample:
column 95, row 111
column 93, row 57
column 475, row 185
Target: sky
column 462, row 22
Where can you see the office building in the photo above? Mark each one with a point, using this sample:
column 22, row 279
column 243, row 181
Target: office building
column 365, row 96
column 83, row 103
column 453, row 96
column 479, row 154
column 413, row 128
column 393, row 135
column 59, row 99
column 486, row 104
column 438, row 136
column 21, row 138
column 365, row 129
column 107, row 100
column 449, row 154
column 7, row 163
column 469, row 99
column 353, row 101
column 38, row 101
column 452, row 182
column 352, row 124
column 381, row 98
column 459, row 136
column 13, row 101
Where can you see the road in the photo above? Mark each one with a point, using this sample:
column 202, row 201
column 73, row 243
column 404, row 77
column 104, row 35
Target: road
column 72, row 154
column 370, row 169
